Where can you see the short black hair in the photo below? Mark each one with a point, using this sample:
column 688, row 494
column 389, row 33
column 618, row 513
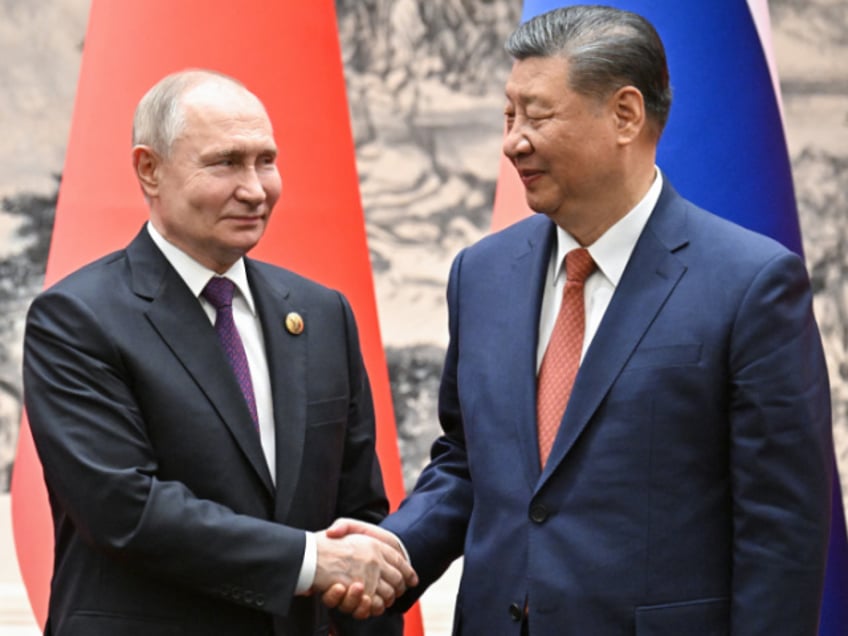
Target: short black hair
column 606, row 48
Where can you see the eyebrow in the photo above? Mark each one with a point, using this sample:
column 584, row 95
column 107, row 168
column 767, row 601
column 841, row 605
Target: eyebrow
column 523, row 98
column 237, row 153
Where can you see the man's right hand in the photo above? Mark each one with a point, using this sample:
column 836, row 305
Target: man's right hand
column 359, row 574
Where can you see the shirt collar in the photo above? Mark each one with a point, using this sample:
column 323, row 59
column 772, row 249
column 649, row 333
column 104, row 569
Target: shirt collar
column 196, row 275
column 612, row 250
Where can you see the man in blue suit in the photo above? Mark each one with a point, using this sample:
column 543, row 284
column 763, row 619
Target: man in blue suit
column 192, row 467
column 685, row 487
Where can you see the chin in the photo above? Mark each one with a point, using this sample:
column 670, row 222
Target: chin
column 243, row 243
column 538, row 207
column 245, row 246
column 249, row 233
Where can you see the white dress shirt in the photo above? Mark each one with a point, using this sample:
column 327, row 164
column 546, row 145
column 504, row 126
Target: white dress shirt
column 249, row 327
column 610, row 253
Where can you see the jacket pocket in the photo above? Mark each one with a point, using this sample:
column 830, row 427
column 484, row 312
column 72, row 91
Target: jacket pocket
column 704, row 617
column 668, row 356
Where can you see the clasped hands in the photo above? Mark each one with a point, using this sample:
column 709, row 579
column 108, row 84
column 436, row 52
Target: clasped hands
column 361, row 568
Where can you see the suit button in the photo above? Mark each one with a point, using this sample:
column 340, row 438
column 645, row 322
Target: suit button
column 515, row 612
column 538, row 513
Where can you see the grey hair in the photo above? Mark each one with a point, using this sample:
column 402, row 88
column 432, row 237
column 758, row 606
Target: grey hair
column 606, row 48
column 159, row 117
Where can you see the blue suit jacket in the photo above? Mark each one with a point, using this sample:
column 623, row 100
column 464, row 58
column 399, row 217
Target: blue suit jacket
column 688, row 489
column 166, row 518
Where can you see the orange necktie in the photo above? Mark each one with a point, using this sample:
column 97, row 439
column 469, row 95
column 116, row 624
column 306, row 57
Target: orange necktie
column 562, row 357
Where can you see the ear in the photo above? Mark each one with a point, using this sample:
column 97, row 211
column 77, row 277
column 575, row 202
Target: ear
column 146, row 165
column 629, row 112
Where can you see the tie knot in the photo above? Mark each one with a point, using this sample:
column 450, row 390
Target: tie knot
column 578, row 265
column 219, row 292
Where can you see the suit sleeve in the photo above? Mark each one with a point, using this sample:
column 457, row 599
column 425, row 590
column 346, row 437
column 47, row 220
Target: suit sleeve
column 433, row 520
column 780, row 456
column 101, row 472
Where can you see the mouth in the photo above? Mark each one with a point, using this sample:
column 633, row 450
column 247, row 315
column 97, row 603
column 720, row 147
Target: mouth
column 246, row 218
column 528, row 176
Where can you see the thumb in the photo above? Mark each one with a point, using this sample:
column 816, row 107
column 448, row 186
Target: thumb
column 340, row 528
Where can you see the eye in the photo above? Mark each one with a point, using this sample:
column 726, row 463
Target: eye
column 223, row 161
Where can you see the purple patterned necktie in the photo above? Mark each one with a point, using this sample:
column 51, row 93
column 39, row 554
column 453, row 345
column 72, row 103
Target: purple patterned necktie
column 219, row 292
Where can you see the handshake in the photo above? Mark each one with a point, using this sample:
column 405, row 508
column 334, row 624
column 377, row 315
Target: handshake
column 361, row 568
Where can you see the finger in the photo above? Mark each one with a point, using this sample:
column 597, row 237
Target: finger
column 339, row 529
column 386, row 593
column 354, row 599
column 410, row 577
column 378, row 606
column 334, row 595
column 391, row 575
column 401, row 575
column 344, row 526
column 363, row 610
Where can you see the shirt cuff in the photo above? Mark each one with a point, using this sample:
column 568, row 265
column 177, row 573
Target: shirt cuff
column 307, row 569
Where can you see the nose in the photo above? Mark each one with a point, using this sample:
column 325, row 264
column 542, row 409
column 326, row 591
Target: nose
column 250, row 189
column 516, row 144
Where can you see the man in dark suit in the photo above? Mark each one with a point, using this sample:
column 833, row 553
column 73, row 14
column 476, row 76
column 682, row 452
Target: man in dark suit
column 681, row 485
column 201, row 416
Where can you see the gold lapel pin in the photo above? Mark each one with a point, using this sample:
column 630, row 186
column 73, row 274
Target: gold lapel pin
column 294, row 323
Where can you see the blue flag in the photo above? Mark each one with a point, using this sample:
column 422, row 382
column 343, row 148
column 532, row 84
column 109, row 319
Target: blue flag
column 724, row 148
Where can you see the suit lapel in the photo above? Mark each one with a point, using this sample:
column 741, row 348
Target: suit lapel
column 526, row 283
column 651, row 275
column 179, row 319
column 287, row 356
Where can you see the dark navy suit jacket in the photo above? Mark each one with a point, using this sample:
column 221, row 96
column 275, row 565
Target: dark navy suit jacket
column 166, row 517
column 688, row 489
